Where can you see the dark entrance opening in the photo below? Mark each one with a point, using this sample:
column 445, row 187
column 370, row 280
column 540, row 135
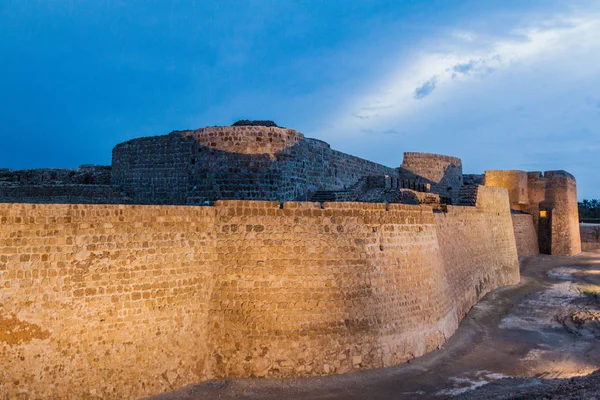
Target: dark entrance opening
column 545, row 231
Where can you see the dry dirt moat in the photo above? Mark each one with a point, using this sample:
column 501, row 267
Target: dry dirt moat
column 546, row 328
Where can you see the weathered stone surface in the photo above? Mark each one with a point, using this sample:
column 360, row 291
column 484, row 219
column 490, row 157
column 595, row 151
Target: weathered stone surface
column 243, row 162
column 525, row 235
column 590, row 236
column 110, row 297
column 84, row 175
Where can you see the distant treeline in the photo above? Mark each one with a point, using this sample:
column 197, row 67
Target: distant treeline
column 589, row 210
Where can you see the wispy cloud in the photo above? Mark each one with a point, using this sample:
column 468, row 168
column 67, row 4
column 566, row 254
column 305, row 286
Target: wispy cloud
column 524, row 98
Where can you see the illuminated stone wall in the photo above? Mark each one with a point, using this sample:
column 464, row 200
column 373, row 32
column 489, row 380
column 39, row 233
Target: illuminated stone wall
column 551, row 200
column 561, row 199
column 513, row 181
column 478, row 247
column 246, row 139
column 326, row 290
column 103, row 301
column 525, row 235
column 118, row 301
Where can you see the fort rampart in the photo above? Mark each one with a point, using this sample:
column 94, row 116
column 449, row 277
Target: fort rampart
column 122, row 301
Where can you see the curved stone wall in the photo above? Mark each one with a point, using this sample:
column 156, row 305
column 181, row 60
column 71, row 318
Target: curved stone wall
column 444, row 173
column 304, row 290
column 551, row 200
column 478, row 247
column 129, row 301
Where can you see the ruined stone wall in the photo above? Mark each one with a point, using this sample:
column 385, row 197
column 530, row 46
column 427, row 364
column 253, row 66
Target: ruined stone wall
column 474, row 179
column 192, row 167
column 590, row 236
column 128, row 301
column 518, row 183
column 525, row 235
column 478, row 247
column 561, row 197
column 551, row 199
column 444, row 173
column 62, row 194
column 84, row 175
column 86, row 184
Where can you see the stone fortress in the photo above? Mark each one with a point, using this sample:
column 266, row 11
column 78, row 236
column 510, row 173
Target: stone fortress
column 252, row 251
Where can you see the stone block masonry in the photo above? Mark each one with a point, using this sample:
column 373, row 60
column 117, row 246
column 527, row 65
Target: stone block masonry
column 561, row 206
column 103, row 301
column 514, row 181
column 525, row 235
column 443, row 173
column 115, row 301
column 239, row 162
column 61, row 194
column 478, row 247
column 235, row 163
column 590, row 236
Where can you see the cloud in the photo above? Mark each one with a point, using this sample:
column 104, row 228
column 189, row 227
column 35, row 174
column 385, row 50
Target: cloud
column 384, row 132
column 519, row 99
column 464, row 35
column 425, row 89
column 465, row 59
column 464, row 68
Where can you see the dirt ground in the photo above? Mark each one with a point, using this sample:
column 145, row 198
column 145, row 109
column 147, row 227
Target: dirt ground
column 546, row 328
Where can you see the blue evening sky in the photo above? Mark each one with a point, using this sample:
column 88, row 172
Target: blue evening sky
column 501, row 84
